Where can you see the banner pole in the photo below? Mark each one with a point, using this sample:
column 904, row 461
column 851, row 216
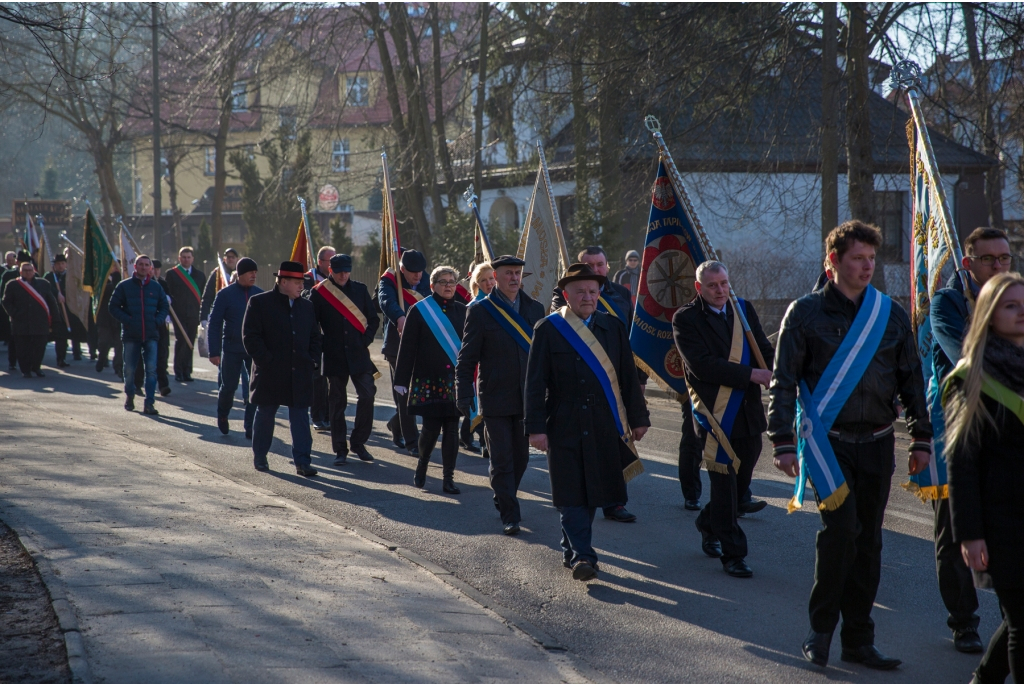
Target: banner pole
column 562, row 251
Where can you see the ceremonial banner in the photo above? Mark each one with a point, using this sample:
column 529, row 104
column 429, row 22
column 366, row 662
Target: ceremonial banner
column 390, row 246
column 99, row 260
column 300, row 248
column 128, row 256
column 77, row 299
column 931, row 267
column 672, row 252
column 541, row 245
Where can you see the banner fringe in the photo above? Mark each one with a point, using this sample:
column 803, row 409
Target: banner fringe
column 640, row 364
column 928, row 493
column 793, row 505
column 633, row 470
column 836, row 499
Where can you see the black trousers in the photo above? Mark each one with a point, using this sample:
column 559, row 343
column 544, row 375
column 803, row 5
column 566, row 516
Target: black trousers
column 107, row 340
column 163, row 353
column 849, row 547
column 60, row 339
column 406, row 421
column 433, row 427
column 689, row 456
column 182, row 352
column 366, row 389
column 466, row 432
column 31, row 349
column 956, row 582
column 996, row 663
column 720, row 515
column 12, row 351
column 320, row 409
column 509, row 451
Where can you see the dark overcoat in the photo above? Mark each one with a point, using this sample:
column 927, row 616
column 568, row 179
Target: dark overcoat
column 986, row 478
column 502, row 360
column 185, row 304
column 424, row 367
column 704, row 340
column 346, row 350
column 284, row 343
column 392, row 308
column 564, row 400
column 27, row 316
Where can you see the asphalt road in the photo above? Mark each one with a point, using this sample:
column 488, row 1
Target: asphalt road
column 661, row 610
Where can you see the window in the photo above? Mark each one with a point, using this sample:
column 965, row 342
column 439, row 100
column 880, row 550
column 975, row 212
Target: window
column 239, row 97
column 357, row 89
column 287, row 121
column 346, row 209
column 339, row 155
column 210, row 166
column 889, row 213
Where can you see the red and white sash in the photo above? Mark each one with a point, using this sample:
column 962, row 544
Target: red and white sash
column 35, row 294
column 341, row 302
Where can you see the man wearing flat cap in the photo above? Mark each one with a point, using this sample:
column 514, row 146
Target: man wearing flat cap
column 280, row 333
column 394, row 303
column 226, row 349
column 349, row 322
column 499, row 331
column 63, row 319
column 584, row 407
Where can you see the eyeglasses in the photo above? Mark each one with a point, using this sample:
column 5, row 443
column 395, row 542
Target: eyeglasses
column 989, row 260
column 447, row 284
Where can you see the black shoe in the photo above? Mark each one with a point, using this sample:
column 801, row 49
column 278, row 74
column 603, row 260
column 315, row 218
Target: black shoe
column 469, row 446
column 510, row 529
column 620, row 514
column 414, row 451
column 967, row 641
column 449, row 486
column 583, row 570
column 222, row 424
column 26, row 374
column 248, row 434
column 361, row 452
column 341, row 460
column 39, row 374
column 129, row 404
column 188, row 378
column 12, row 369
column 816, row 648
column 61, row 364
column 711, row 545
column 870, row 657
column 395, row 437
column 306, row 471
column 261, row 467
column 319, row 425
column 177, row 377
column 738, row 568
column 750, row 507
column 77, row 358
column 150, row 410
column 99, row 366
column 692, row 505
column 419, row 481
column 165, row 391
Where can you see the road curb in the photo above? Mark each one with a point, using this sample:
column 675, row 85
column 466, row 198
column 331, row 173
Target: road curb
column 78, row 663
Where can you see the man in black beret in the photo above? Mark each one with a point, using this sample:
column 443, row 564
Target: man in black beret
column 499, row 330
column 395, row 301
column 584, row 407
column 349, row 322
column 281, row 335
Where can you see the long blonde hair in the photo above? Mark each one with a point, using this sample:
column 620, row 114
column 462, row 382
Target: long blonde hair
column 480, row 271
column 965, row 412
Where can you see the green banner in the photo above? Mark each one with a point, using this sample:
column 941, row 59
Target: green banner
column 99, row 261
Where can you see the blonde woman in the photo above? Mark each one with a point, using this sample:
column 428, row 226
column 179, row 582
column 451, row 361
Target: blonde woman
column 482, row 281
column 985, row 443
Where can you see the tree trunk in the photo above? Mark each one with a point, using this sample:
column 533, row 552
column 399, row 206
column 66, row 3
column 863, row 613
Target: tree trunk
column 829, row 129
column 478, row 109
column 220, row 173
column 983, row 105
column 439, row 115
column 579, row 137
column 172, row 193
column 610, row 105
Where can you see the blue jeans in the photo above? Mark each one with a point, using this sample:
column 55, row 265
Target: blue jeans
column 263, row 434
column 577, row 525
column 232, row 366
column 133, row 350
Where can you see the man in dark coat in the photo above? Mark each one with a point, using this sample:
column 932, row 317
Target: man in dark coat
column 139, row 303
column 502, row 359
column 10, row 263
column 214, row 283
column 706, row 331
column 349, row 322
column 185, row 284
column 425, row 372
column 226, row 350
column 12, row 272
column 320, row 410
column 569, row 415
column 30, row 303
column 163, row 348
column 57, row 278
column 108, row 330
column 280, row 333
column 619, row 304
column 395, row 307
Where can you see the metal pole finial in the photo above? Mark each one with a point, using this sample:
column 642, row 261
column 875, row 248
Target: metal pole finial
column 905, row 75
column 469, row 197
column 652, row 123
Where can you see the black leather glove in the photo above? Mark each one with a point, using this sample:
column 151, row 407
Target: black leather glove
column 465, row 406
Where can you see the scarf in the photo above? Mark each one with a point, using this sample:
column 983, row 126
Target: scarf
column 1004, row 361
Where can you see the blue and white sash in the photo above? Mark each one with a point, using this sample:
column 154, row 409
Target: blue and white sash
column 817, row 411
column 509, row 319
column 445, row 334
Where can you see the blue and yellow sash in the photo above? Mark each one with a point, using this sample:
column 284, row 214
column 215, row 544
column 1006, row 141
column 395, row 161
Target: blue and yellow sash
column 509, row 319
column 587, row 346
column 719, row 419
column 608, row 306
column 445, row 334
column 817, row 411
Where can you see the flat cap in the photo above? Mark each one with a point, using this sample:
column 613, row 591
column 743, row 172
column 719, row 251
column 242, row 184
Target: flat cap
column 507, row 260
column 413, row 261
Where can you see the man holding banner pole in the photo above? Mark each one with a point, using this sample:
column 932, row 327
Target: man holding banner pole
column 185, row 283
column 584, row 407
column 845, row 352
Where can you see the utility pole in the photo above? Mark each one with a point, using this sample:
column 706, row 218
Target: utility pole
column 157, row 166
column 829, row 129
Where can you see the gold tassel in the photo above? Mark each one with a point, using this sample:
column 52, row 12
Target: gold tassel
column 836, row 499
column 640, row 364
column 712, row 465
column 634, row 469
column 927, row 493
column 793, row 505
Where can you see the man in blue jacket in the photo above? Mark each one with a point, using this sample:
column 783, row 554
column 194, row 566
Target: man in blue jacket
column 986, row 253
column 139, row 304
column 226, row 349
column 414, row 288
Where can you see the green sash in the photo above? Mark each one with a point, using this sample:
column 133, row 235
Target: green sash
column 187, row 277
column 991, row 387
